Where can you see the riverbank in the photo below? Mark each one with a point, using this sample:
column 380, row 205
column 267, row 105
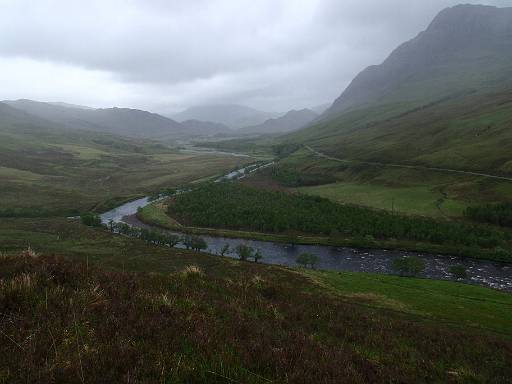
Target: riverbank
column 339, row 256
column 156, row 215
column 194, row 316
column 461, row 306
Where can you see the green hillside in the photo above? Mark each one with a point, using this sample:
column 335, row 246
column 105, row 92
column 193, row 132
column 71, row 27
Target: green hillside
column 48, row 169
column 467, row 133
column 442, row 99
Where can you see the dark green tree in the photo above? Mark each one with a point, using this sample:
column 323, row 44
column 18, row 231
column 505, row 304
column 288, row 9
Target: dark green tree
column 225, row 250
column 90, row 219
column 257, row 256
column 458, row 271
column 307, row 259
column 244, row 252
column 408, row 266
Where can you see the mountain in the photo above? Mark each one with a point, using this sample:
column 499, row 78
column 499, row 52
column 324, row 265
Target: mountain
column 205, row 128
column 119, row 121
column 15, row 125
column 319, row 109
column 292, row 121
column 441, row 99
column 466, row 48
column 233, row 116
column 61, row 104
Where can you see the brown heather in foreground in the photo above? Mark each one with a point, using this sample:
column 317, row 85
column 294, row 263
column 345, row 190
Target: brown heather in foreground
column 65, row 322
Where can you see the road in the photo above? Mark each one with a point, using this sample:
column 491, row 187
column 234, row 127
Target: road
column 419, row 167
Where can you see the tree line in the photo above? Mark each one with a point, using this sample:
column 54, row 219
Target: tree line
column 239, row 207
column 497, row 214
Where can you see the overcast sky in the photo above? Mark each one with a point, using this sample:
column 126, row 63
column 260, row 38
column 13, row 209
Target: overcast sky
column 166, row 55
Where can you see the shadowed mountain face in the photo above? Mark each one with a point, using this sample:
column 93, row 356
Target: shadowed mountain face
column 441, row 99
column 465, row 48
column 119, row 121
column 233, row 116
column 292, row 121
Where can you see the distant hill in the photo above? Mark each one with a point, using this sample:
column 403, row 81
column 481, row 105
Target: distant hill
column 16, row 124
column 119, row 121
column 233, row 116
column 61, row 104
column 441, row 99
column 292, row 121
column 205, row 128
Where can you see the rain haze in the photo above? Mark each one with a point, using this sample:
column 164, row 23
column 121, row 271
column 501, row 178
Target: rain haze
column 166, row 56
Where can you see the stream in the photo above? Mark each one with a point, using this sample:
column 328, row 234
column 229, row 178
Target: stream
column 480, row 272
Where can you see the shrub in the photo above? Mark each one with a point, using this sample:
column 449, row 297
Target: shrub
column 458, row 271
column 502, row 254
column 244, row 252
column 408, row 266
column 225, row 250
column 90, row 219
column 498, row 214
column 192, row 270
column 307, row 259
column 173, row 240
column 257, row 256
column 194, row 242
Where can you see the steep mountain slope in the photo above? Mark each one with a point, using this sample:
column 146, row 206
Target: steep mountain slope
column 119, row 121
column 234, row 116
column 465, row 48
column 442, row 99
column 292, row 121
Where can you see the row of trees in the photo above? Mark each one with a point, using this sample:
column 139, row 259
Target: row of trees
column 159, row 238
column 406, row 266
column 414, row 266
column 294, row 178
column 36, row 212
column 243, row 251
column 234, row 206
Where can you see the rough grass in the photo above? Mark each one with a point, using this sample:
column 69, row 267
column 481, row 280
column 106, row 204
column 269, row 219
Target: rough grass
column 459, row 304
column 416, row 200
column 68, row 171
column 470, row 132
column 415, row 191
column 71, row 322
column 155, row 214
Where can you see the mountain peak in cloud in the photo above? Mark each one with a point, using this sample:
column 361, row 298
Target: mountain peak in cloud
column 232, row 115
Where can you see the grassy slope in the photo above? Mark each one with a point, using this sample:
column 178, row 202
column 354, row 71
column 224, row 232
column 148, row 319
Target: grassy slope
column 64, row 170
column 417, row 200
column 233, row 322
column 415, row 191
column 460, row 304
column 467, row 132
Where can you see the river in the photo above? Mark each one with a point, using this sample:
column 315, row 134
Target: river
column 480, row 272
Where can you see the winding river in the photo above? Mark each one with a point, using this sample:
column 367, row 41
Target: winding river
column 480, row 272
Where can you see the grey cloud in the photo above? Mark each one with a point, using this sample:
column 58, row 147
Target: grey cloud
column 271, row 54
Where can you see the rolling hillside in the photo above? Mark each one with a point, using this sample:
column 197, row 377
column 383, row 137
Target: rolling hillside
column 49, row 169
column 441, row 99
column 119, row 121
